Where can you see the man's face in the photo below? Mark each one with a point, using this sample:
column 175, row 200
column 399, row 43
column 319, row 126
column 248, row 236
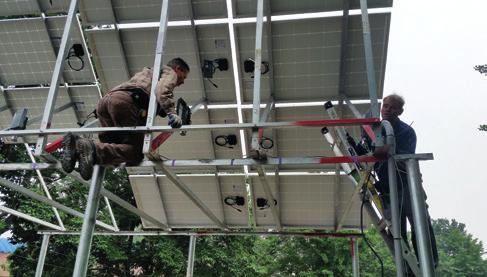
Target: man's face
column 182, row 74
column 391, row 110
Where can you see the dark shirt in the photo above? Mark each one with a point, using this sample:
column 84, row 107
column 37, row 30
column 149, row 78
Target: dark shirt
column 405, row 144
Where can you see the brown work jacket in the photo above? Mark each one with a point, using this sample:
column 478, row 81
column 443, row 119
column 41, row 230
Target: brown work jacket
column 164, row 89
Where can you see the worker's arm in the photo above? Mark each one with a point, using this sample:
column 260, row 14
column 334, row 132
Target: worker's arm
column 164, row 90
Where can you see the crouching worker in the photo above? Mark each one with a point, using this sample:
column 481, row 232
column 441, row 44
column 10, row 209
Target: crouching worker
column 125, row 105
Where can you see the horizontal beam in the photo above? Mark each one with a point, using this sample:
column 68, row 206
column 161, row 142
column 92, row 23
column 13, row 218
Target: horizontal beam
column 144, row 129
column 50, row 202
column 213, row 162
column 420, row 157
column 130, row 24
column 31, row 218
column 207, row 233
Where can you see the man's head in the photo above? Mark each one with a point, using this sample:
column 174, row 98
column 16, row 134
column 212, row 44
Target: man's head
column 392, row 107
column 181, row 68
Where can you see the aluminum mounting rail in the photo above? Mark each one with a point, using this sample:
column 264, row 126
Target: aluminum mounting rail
column 145, row 129
column 212, row 162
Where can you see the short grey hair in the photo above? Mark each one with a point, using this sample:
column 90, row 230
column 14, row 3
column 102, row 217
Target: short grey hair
column 396, row 98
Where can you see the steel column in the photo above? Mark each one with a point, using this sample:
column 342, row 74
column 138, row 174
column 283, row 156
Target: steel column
column 257, row 72
column 191, row 252
column 161, row 43
column 394, row 199
column 420, row 217
column 81, row 264
column 42, row 255
column 355, row 258
column 54, row 85
column 369, row 59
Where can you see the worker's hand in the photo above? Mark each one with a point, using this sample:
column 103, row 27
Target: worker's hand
column 174, row 120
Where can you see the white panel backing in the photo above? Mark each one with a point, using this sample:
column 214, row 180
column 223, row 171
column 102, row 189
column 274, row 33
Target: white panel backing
column 148, row 196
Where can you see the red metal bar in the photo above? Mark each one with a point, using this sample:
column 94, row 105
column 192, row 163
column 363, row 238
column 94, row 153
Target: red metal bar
column 160, row 139
column 345, row 159
column 53, row 146
column 368, row 130
column 337, row 122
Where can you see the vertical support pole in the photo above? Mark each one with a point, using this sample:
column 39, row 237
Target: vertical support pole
column 355, row 258
column 42, row 255
column 81, row 264
column 369, row 60
column 257, row 72
column 161, row 44
column 56, row 75
column 394, row 199
column 418, row 206
column 192, row 247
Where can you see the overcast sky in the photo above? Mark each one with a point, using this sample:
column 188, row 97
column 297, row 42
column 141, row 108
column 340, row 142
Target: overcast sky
column 433, row 47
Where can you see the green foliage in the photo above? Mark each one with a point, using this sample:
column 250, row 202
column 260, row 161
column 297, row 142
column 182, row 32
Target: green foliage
column 226, row 256
column 460, row 254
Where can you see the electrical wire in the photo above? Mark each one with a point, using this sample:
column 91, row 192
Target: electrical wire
column 367, row 241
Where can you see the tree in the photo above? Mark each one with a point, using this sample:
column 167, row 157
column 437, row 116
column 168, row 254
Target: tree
column 460, row 254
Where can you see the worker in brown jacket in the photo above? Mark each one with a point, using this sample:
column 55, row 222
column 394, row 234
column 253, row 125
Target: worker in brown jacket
column 125, row 105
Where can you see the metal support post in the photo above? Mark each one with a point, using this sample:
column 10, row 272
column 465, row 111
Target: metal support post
column 42, row 255
column 420, row 217
column 56, row 75
column 393, row 194
column 81, row 264
column 161, row 43
column 257, row 73
column 355, row 259
column 192, row 247
column 369, row 60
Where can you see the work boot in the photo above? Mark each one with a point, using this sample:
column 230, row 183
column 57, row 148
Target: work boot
column 69, row 155
column 86, row 151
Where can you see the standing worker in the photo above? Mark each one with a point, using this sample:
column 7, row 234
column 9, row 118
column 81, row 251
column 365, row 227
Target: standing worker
column 126, row 105
column 392, row 108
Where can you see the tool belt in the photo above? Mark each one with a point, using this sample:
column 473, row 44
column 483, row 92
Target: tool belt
column 141, row 100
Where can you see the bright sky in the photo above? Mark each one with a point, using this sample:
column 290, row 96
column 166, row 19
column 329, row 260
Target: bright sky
column 433, row 47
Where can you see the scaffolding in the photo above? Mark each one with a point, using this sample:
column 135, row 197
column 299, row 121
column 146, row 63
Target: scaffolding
column 351, row 47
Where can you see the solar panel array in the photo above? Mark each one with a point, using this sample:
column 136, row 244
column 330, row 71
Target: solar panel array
column 304, row 57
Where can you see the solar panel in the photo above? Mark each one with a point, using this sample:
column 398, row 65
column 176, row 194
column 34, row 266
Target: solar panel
column 304, row 57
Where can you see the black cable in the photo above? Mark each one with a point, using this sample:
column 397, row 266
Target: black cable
column 263, row 145
column 232, row 201
column 76, row 51
column 71, row 66
column 363, row 234
column 90, row 115
column 223, row 140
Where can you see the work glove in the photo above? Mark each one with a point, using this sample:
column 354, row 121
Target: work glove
column 174, row 120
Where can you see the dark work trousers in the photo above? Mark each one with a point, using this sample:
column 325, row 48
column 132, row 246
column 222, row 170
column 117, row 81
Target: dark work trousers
column 117, row 109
